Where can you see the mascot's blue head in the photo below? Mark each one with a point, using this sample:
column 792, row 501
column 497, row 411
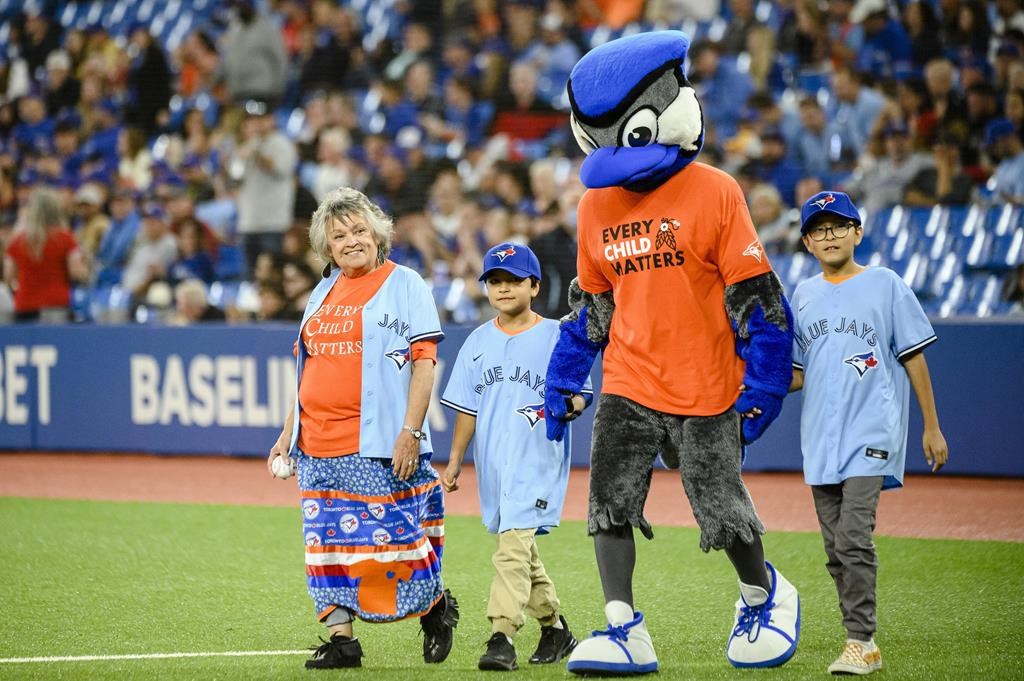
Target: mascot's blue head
column 633, row 111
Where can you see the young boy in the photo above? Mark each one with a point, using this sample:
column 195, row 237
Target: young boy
column 854, row 327
column 497, row 388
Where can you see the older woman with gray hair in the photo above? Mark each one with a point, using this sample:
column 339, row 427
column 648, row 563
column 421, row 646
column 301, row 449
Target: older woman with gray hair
column 372, row 506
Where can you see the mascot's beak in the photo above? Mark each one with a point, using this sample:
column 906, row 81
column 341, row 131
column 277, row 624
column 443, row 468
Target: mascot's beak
column 625, row 166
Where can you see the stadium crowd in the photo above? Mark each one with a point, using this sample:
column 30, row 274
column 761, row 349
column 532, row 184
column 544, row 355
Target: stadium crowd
column 181, row 169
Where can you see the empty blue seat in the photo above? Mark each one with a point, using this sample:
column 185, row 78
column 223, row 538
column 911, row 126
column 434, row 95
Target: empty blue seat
column 981, row 294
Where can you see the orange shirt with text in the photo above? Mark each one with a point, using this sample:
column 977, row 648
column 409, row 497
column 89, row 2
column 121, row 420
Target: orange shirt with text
column 332, row 378
column 667, row 256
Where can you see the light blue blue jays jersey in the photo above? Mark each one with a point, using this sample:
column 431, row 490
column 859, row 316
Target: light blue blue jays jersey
column 849, row 340
column 499, row 379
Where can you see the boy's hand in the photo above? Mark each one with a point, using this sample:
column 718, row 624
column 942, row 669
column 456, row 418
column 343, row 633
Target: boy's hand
column 758, row 409
column 450, row 479
column 936, row 453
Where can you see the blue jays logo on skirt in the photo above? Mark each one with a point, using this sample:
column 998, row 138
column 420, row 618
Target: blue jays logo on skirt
column 312, row 539
column 862, row 362
column 400, row 357
column 310, row 508
column 381, row 536
column 533, row 413
column 376, row 510
column 349, row 523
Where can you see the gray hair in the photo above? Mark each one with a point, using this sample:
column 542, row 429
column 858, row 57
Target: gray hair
column 346, row 204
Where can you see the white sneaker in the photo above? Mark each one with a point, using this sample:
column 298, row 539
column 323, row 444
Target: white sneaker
column 858, row 658
column 624, row 647
column 767, row 625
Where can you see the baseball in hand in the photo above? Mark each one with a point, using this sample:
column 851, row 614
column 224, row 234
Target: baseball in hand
column 283, row 467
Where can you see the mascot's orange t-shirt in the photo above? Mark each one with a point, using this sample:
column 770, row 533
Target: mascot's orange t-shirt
column 667, row 256
column 331, row 389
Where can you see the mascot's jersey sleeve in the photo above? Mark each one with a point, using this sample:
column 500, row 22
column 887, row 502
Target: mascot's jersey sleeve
column 668, row 255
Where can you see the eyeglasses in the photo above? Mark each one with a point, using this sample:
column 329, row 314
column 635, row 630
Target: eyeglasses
column 838, row 231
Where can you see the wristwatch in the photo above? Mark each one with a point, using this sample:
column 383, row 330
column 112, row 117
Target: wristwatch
column 416, row 433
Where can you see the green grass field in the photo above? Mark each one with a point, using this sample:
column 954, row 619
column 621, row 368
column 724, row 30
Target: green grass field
column 99, row 578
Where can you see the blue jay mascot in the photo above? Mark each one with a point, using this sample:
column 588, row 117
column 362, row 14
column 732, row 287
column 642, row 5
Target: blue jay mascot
column 637, row 118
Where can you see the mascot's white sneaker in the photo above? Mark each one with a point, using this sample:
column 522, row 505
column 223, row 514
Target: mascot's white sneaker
column 624, row 647
column 767, row 625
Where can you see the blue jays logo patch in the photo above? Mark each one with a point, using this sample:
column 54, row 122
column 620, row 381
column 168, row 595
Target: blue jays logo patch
column 754, row 250
column 824, row 201
column 400, row 357
column 862, row 362
column 504, row 253
column 533, row 413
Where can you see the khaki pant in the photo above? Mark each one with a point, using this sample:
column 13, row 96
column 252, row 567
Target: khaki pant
column 521, row 586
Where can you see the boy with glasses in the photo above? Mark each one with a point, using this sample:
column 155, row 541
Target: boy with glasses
column 859, row 333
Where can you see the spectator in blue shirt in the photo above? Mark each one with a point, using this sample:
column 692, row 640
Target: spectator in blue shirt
column 775, row 167
column 811, row 144
column 35, row 131
column 118, row 239
column 554, row 56
column 853, row 112
column 720, row 87
column 886, row 49
column 1003, row 142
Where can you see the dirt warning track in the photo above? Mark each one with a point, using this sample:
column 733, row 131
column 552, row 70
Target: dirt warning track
column 930, row 506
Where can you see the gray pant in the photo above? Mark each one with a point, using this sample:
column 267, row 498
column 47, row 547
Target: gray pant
column 846, row 514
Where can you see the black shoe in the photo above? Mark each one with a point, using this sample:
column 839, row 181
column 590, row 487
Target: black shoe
column 554, row 644
column 340, row 651
column 438, row 627
column 500, row 655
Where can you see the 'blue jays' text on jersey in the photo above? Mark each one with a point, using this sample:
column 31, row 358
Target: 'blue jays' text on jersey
column 849, row 340
column 499, row 379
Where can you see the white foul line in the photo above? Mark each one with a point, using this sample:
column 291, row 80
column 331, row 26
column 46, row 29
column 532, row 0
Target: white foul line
column 150, row 656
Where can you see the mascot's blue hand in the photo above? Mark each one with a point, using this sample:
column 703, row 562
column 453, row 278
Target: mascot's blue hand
column 568, row 368
column 554, row 415
column 770, row 406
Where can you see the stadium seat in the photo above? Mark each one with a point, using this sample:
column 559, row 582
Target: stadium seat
column 1006, row 237
column 981, row 294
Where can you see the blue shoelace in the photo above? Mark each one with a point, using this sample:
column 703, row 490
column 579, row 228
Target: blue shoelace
column 751, row 615
column 615, row 633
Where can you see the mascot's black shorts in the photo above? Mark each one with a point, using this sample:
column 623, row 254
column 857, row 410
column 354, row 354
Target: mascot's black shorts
column 707, row 449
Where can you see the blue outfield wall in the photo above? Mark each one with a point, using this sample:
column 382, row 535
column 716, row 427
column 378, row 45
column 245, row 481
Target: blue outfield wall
column 226, row 389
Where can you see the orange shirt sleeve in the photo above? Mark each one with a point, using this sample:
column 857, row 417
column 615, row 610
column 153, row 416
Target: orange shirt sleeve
column 740, row 254
column 424, row 349
column 591, row 278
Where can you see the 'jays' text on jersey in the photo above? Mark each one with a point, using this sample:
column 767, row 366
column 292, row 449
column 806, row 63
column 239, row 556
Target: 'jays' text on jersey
column 849, row 340
column 499, row 378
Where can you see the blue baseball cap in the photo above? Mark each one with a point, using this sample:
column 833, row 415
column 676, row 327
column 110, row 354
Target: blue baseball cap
column 516, row 259
column 997, row 130
column 836, row 203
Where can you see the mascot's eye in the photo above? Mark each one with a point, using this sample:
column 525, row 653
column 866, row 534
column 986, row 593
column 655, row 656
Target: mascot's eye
column 640, row 130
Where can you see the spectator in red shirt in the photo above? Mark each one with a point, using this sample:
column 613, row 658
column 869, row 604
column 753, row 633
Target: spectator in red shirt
column 42, row 260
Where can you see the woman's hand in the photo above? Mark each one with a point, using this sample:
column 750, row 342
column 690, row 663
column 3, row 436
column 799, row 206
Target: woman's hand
column 405, row 457
column 280, row 448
